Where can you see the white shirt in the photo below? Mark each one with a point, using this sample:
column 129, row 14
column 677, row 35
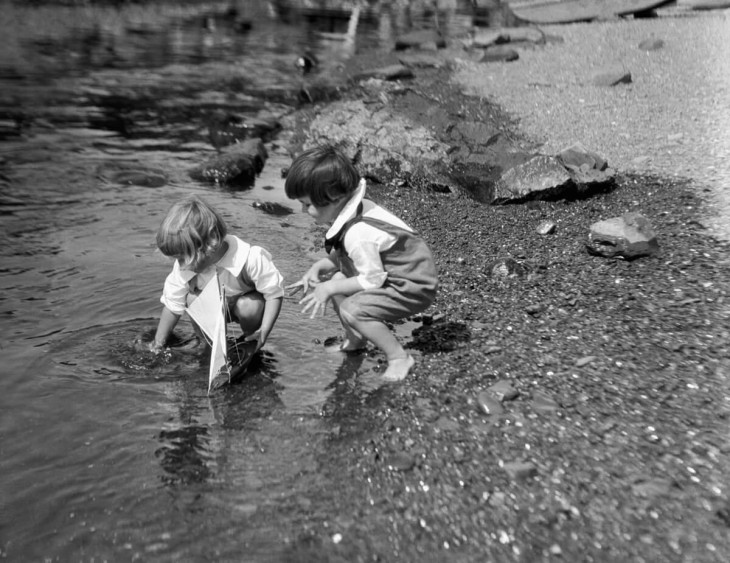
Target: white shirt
column 363, row 242
column 240, row 263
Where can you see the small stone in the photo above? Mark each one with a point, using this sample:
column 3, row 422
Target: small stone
column 520, row 470
column 497, row 499
column 489, row 404
column 544, row 403
column 652, row 487
column 584, row 361
column 546, row 228
column 503, row 391
column 534, row 309
column 446, row 424
column 613, row 77
column 651, row 44
column 401, row 461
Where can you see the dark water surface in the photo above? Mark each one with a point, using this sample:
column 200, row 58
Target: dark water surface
column 106, row 454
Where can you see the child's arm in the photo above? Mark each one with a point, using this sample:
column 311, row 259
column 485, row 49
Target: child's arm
column 324, row 291
column 168, row 321
column 272, row 307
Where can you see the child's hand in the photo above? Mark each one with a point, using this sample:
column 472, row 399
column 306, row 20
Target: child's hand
column 316, row 300
column 258, row 338
column 304, row 284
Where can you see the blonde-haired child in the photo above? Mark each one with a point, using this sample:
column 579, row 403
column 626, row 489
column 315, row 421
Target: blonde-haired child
column 380, row 269
column 196, row 236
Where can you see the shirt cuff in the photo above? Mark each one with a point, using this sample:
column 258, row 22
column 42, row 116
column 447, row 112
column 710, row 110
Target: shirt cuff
column 372, row 281
column 174, row 307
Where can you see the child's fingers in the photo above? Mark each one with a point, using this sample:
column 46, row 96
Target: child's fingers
column 308, row 304
column 317, row 308
column 295, row 287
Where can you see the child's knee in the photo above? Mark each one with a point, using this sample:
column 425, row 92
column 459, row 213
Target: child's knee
column 249, row 309
column 338, row 276
column 349, row 311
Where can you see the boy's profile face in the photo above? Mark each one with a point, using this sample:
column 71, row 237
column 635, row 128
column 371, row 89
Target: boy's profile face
column 322, row 215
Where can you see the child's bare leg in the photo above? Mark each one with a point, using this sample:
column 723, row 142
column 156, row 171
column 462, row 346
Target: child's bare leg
column 377, row 332
column 248, row 310
column 354, row 341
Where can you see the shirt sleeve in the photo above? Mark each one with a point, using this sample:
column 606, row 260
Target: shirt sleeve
column 364, row 243
column 175, row 292
column 265, row 276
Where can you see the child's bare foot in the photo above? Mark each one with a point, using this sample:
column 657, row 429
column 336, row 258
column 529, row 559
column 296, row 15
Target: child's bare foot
column 398, row 368
column 347, row 345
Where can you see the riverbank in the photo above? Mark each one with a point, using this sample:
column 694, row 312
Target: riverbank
column 577, row 409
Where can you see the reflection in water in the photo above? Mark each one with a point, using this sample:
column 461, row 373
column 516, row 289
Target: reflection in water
column 184, row 458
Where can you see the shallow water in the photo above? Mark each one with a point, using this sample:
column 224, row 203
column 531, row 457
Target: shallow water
column 106, row 454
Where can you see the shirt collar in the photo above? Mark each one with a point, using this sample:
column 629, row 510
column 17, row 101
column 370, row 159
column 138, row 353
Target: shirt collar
column 233, row 260
column 349, row 211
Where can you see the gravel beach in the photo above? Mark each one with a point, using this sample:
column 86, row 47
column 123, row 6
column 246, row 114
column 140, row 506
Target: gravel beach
column 576, row 409
column 673, row 119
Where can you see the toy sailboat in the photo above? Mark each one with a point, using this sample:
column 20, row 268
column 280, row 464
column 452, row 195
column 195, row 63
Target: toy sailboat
column 208, row 311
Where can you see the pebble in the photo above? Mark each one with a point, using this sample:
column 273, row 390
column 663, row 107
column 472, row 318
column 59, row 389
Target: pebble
column 544, row 403
column 546, row 228
column 401, row 461
column 584, row 361
column 520, row 470
column 489, row 404
column 503, row 391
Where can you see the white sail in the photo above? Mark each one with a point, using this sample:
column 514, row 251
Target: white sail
column 208, row 312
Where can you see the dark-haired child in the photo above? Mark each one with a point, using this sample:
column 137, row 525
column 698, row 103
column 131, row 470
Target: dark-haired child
column 379, row 269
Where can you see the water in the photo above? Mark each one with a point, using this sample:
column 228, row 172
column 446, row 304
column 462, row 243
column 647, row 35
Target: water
column 105, row 454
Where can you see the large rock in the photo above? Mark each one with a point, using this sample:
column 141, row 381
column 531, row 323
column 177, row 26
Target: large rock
column 384, row 145
column 628, row 236
column 541, row 177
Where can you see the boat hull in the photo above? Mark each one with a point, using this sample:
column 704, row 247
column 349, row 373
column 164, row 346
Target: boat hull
column 570, row 11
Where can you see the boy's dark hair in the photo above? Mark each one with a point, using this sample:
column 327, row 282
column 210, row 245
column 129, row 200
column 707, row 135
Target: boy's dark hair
column 323, row 174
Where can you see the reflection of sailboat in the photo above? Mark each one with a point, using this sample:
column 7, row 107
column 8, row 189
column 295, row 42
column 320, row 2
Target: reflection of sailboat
column 208, row 311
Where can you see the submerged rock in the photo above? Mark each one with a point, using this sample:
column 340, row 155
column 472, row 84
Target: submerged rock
column 236, row 167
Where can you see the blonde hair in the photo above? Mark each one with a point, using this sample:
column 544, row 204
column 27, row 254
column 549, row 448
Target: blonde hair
column 190, row 231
